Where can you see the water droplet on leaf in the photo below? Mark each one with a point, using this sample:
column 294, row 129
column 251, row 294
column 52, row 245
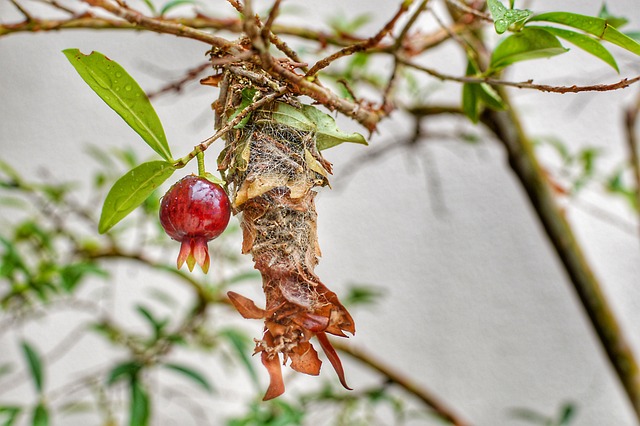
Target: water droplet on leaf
column 501, row 25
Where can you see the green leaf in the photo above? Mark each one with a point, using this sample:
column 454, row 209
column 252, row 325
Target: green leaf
column 191, row 374
column 151, row 6
column 293, row 117
column 584, row 42
column 9, row 415
column 567, row 413
column 40, row 415
column 327, row 133
column 592, row 25
column 490, row 97
column 616, row 185
column 614, row 21
column 174, row 3
column 241, row 344
column 140, row 405
column 35, row 365
column 470, row 102
column 362, row 295
column 157, row 325
column 248, row 94
column 131, row 190
column 125, row 370
column 477, row 95
column 71, row 275
column 342, row 25
column 123, row 94
column 504, row 19
column 530, row 43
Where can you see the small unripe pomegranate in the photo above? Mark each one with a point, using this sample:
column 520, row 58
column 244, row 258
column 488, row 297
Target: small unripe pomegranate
column 194, row 211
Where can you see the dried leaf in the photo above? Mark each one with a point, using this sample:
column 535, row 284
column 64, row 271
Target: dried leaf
column 331, row 353
column 304, row 359
column 245, row 306
column 272, row 364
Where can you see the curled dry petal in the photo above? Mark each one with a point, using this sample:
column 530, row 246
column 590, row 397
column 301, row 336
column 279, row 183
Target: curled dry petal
column 331, row 353
column 271, row 361
column 304, row 359
column 245, row 306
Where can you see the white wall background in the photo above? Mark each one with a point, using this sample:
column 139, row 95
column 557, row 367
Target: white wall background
column 477, row 308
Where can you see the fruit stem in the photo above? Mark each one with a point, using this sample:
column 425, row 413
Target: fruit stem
column 200, row 156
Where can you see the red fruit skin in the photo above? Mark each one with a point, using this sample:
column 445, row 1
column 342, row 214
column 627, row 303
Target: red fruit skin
column 195, row 207
column 194, row 211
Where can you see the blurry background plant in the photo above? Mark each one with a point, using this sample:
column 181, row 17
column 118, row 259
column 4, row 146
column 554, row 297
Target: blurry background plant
column 172, row 347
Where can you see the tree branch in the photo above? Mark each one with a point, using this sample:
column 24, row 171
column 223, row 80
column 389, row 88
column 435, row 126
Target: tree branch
column 506, row 126
column 625, row 82
column 631, row 119
column 432, row 401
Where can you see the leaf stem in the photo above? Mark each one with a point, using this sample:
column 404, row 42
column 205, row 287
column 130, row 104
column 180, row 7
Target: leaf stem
column 201, row 170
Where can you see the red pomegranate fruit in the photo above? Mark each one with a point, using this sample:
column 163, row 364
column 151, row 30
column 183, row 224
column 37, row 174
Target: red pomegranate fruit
column 194, row 211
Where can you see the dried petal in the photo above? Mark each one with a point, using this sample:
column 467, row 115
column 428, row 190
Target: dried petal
column 331, row 353
column 311, row 322
column 245, row 306
column 272, row 364
column 304, row 359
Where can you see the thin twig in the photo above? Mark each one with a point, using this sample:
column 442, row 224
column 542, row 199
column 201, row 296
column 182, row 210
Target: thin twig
column 404, row 382
column 466, row 9
column 202, row 146
column 362, row 46
column 507, row 128
column 412, row 20
column 177, row 85
column 27, row 15
column 165, row 26
column 625, row 82
column 631, row 119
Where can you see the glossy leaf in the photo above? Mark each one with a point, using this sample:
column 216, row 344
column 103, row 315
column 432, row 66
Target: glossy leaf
column 123, row 94
column 592, row 25
column 192, row 374
column 530, row 43
column 40, row 415
column 504, row 19
column 293, row 117
column 585, row 43
column 35, row 365
column 131, row 190
column 311, row 119
column 327, row 133
column 139, row 409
